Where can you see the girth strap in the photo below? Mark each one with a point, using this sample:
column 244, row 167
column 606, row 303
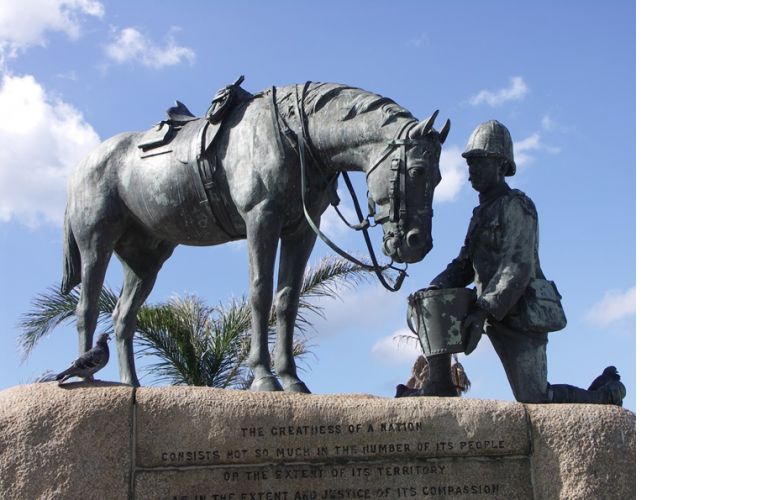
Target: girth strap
column 219, row 201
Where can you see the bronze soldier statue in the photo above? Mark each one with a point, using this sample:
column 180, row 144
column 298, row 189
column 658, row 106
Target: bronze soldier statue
column 515, row 305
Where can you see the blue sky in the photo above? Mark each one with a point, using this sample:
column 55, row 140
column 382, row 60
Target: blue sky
column 560, row 75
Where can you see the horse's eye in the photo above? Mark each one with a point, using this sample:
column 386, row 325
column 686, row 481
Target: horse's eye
column 416, row 172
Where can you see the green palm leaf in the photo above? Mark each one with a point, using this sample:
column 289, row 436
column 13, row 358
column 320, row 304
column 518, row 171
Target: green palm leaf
column 51, row 308
column 327, row 279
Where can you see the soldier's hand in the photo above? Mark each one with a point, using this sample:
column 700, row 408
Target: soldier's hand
column 473, row 324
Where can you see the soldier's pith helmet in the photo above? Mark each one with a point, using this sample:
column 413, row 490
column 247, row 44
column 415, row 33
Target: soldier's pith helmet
column 492, row 139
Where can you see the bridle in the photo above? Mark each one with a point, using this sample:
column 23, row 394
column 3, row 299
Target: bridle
column 397, row 209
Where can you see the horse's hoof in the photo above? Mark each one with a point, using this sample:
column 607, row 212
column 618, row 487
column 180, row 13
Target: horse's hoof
column 297, row 387
column 266, row 384
column 131, row 382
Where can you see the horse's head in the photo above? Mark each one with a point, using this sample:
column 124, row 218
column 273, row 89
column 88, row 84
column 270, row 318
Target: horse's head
column 401, row 183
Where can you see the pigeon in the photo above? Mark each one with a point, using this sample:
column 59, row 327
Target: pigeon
column 610, row 374
column 89, row 363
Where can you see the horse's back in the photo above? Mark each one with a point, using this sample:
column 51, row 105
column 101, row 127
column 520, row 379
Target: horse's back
column 99, row 166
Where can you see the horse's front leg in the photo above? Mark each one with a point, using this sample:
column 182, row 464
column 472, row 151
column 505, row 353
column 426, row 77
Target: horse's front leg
column 295, row 252
column 262, row 232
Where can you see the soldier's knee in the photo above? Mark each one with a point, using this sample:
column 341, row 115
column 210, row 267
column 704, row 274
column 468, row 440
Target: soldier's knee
column 531, row 395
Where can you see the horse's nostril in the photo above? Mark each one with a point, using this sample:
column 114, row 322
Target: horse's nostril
column 414, row 238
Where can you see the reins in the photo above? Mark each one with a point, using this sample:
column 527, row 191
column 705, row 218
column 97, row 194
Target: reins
column 363, row 223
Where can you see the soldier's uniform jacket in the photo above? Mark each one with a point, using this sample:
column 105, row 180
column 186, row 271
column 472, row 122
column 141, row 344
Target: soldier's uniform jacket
column 500, row 253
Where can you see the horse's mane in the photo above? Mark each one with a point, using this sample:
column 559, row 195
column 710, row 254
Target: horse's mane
column 360, row 101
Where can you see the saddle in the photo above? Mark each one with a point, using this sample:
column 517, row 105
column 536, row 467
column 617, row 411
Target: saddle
column 191, row 138
column 178, row 116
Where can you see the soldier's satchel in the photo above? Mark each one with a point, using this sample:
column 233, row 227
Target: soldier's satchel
column 540, row 308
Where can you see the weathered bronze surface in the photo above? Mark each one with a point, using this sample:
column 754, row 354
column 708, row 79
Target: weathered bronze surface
column 236, row 174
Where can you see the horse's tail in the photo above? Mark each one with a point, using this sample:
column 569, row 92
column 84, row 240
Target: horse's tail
column 71, row 277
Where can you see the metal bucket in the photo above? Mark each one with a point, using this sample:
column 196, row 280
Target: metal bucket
column 436, row 317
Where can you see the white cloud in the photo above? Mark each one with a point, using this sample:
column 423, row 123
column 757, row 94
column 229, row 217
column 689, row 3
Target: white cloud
column 24, row 23
column 70, row 75
column 130, row 45
column 43, row 139
column 453, row 175
column 515, row 91
column 355, row 308
column 529, row 143
column 614, row 306
column 522, row 147
column 396, row 349
column 547, row 123
column 419, row 40
column 332, row 225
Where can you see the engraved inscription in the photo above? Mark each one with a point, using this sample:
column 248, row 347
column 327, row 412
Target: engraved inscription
column 466, row 478
column 257, row 429
column 306, row 448
column 273, row 444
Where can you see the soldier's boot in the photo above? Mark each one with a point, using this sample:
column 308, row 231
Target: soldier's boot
column 611, row 393
column 439, row 381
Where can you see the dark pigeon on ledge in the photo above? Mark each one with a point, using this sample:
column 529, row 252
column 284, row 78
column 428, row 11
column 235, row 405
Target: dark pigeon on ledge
column 89, row 363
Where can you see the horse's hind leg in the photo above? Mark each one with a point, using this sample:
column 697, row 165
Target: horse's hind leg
column 142, row 257
column 294, row 256
column 95, row 245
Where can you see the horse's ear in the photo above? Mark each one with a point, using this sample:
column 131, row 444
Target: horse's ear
column 444, row 131
column 424, row 127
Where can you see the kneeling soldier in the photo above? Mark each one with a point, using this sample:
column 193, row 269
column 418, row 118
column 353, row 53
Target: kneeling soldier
column 515, row 306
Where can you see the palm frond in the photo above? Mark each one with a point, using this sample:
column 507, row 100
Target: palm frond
column 326, row 279
column 195, row 344
column 52, row 308
column 166, row 332
column 226, row 335
column 244, row 380
column 232, row 341
column 46, row 376
column 330, row 275
column 409, row 339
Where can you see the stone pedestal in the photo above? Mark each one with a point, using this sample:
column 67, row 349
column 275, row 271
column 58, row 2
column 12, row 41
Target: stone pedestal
column 186, row 443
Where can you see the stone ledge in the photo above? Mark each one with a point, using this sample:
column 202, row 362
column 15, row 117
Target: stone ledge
column 112, row 441
column 65, row 443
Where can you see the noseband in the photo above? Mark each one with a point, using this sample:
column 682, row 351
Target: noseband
column 397, row 210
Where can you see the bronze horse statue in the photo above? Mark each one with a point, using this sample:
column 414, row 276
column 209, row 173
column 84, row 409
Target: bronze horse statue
column 269, row 175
